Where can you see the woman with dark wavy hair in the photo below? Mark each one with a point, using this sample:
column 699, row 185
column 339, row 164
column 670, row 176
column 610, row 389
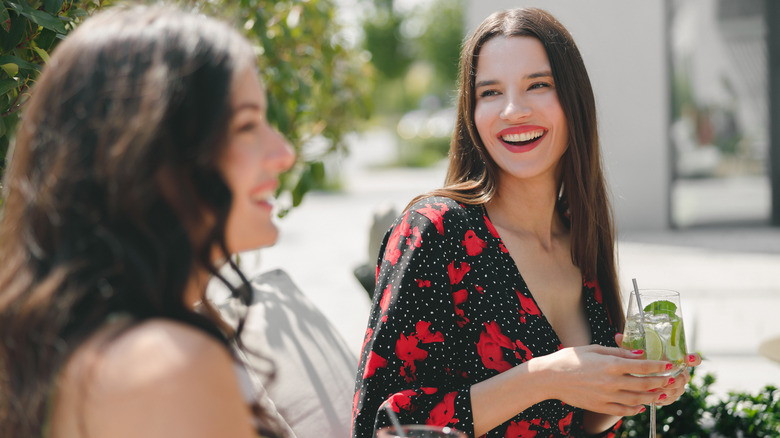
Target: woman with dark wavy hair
column 143, row 161
column 497, row 309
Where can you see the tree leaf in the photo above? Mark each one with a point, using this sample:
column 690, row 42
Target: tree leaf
column 42, row 53
column 10, row 69
column 41, row 18
column 52, row 6
column 7, row 85
column 21, row 63
column 5, row 18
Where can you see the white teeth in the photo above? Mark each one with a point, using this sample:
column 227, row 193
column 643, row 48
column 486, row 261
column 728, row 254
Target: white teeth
column 525, row 136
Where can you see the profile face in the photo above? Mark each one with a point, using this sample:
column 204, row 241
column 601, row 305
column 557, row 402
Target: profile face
column 517, row 114
column 254, row 157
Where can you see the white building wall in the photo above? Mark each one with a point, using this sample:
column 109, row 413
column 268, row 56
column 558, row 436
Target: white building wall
column 623, row 44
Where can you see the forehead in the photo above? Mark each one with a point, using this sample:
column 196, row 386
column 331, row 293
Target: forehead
column 511, row 55
column 247, row 88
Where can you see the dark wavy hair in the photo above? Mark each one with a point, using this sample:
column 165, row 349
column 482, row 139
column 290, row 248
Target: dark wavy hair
column 112, row 172
column 472, row 173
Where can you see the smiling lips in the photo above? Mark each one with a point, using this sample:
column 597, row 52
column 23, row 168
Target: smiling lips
column 522, row 138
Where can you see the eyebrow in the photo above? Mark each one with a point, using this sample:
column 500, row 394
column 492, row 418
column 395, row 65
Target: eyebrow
column 247, row 105
column 541, row 74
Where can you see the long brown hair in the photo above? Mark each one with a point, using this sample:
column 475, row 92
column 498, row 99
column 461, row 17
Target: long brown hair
column 471, row 175
column 130, row 101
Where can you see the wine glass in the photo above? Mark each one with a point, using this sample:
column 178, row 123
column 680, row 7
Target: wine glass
column 420, row 431
column 654, row 324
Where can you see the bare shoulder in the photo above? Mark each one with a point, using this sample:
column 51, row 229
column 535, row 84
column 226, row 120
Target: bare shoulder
column 157, row 378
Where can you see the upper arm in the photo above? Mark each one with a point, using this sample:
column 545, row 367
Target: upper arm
column 160, row 379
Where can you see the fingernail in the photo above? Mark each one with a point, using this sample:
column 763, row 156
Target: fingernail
column 662, row 397
column 691, row 358
column 642, row 409
column 654, row 390
column 671, row 381
column 669, row 366
column 637, row 351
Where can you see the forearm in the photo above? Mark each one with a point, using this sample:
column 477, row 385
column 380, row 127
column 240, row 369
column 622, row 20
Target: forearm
column 595, row 423
column 496, row 400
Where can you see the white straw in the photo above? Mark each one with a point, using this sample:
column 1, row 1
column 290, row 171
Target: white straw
column 394, row 419
column 641, row 308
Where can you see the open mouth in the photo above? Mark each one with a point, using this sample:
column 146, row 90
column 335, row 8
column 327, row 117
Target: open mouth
column 523, row 138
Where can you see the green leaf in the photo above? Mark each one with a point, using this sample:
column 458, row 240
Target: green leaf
column 5, row 18
column 7, row 85
column 52, row 6
column 45, row 39
column 16, row 32
column 21, row 63
column 10, row 69
column 41, row 18
column 42, row 53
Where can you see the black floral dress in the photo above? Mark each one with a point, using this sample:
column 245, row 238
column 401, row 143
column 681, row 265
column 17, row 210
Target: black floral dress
column 451, row 309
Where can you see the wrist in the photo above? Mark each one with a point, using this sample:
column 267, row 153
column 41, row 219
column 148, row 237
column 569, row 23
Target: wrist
column 544, row 375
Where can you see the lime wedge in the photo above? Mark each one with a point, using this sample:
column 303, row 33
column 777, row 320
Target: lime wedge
column 654, row 345
column 676, row 350
column 662, row 307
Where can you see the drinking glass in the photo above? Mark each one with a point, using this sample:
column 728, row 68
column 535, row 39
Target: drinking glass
column 658, row 330
column 420, row 431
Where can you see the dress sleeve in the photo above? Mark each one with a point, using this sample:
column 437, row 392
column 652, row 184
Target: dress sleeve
column 407, row 356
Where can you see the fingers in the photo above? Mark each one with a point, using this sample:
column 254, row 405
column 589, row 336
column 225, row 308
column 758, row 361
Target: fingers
column 619, row 339
column 693, row 359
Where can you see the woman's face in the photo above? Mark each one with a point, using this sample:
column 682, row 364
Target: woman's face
column 517, row 113
column 254, row 158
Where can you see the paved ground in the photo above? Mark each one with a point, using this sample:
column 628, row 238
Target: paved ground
column 729, row 277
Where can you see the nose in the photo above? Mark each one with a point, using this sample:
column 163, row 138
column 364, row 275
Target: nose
column 516, row 108
column 281, row 155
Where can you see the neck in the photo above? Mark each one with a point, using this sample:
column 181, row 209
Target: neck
column 528, row 208
column 196, row 287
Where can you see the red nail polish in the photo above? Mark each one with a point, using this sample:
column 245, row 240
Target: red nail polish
column 662, row 397
column 642, row 409
column 654, row 390
column 669, row 366
column 637, row 351
column 691, row 358
column 671, row 381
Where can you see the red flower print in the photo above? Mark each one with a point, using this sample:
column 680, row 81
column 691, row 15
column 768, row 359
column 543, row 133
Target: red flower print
column 428, row 390
column 401, row 400
column 528, row 304
column 520, row 430
column 424, row 333
column 423, row 283
column 490, row 227
column 443, row 414
column 384, row 303
column 503, row 248
column 355, row 405
column 369, row 333
column 563, row 425
column 459, row 298
column 479, row 289
column 374, row 361
column 457, row 274
column 491, row 354
column 474, row 245
column 526, row 355
column 392, row 253
column 435, row 216
column 494, row 331
column 406, row 349
column 538, row 422
column 416, row 239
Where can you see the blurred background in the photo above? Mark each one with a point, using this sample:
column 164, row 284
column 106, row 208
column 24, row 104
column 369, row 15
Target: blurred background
column 688, row 94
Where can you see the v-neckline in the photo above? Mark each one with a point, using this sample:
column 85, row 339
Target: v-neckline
column 509, row 260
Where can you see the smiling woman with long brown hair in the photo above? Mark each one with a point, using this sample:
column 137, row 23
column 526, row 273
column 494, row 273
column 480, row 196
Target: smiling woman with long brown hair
column 497, row 309
column 144, row 160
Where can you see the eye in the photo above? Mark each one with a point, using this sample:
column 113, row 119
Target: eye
column 247, row 127
column 538, row 85
column 488, row 93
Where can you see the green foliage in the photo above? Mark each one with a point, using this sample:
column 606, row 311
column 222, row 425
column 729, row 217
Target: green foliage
column 29, row 31
column 699, row 414
column 317, row 85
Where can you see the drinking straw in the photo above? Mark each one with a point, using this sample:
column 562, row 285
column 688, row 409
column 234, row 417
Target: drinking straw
column 641, row 308
column 394, row 419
